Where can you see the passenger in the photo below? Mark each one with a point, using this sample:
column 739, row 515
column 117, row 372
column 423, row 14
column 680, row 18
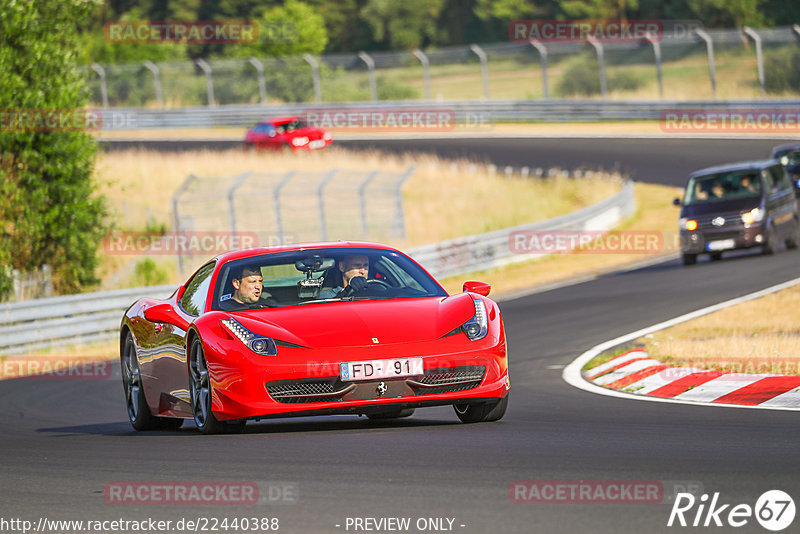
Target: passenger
column 749, row 183
column 717, row 189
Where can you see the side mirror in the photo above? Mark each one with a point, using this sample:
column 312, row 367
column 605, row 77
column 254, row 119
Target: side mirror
column 180, row 292
column 481, row 288
column 676, row 202
column 165, row 313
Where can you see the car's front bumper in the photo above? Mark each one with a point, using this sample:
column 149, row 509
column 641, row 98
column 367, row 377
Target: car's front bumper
column 304, row 382
column 731, row 237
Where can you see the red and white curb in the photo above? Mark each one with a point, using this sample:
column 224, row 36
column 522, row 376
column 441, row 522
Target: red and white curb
column 634, row 372
column 634, row 375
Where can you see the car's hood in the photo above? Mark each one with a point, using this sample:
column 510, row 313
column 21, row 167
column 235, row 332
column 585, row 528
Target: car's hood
column 724, row 206
column 356, row 323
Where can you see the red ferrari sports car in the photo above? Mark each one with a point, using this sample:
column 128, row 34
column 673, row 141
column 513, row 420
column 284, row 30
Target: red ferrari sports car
column 314, row 329
column 286, row 132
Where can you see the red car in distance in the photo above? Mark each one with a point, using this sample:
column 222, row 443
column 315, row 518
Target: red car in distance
column 286, row 133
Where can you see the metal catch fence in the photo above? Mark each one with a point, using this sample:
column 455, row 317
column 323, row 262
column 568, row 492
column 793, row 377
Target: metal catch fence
column 294, row 206
column 732, row 64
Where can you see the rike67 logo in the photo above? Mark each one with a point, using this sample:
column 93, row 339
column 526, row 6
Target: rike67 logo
column 774, row 510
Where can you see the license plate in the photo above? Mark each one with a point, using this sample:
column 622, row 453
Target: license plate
column 380, row 369
column 722, row 244
column 319, row 143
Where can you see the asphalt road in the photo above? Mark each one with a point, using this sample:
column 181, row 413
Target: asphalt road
column 62, row 442
column 667, row 161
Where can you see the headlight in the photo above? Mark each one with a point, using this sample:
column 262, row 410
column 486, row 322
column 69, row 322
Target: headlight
column 300, row 141
column 262, row 345
column 754, row 215
column 477, row 327
column 687, row 224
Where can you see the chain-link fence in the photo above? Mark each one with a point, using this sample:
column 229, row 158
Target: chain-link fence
column 694, row 64
column 294, row 206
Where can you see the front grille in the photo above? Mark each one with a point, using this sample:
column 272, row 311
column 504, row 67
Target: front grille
column 732, row 220
column 300, row 391
column 448, row 380
column 332, row 389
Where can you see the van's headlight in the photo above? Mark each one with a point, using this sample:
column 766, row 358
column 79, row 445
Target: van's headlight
column 477, row 327
column 754, row 215
column 262, row 345
column 687, row 224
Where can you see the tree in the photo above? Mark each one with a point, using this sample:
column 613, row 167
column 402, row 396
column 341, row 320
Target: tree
column 49, row 210
column 402, row 25
column 288, row 30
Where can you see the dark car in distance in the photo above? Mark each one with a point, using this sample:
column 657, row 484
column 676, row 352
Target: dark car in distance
column 737, row 206
column 289, row 133
column 789, row 156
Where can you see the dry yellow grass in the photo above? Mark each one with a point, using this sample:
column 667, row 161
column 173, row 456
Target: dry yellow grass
column 760, row 336
column 655, row 213
column 442, row 200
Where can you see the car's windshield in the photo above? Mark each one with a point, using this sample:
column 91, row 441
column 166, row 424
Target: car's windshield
column 722, row 186
column 791, row 157
column 320, row 275
column 290, row 126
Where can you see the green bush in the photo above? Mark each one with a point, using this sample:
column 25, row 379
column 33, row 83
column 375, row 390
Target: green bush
column 148, row 273
column 582, row 78
column 781, row 72
column 50, row 212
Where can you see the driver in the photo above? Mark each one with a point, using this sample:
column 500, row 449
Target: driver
column 248, row 287
column 355, row 270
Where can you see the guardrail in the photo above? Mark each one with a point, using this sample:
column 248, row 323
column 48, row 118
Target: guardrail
column 94, row 317
column 467, row 113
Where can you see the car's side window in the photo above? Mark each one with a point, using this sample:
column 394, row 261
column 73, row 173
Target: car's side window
column 769, row 180
column 779, row 175
column 193, row 300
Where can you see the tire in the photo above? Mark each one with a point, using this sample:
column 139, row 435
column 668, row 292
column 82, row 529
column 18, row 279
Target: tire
column 794, row 238
column 201, row 394
column 716, row 256
column 770, row 244
column 483, row 412
column 689, row 259
column 391, row 414
column 138, row 411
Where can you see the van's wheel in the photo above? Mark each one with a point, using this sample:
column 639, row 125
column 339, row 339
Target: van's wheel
column 689, row 259
column 794, row 238
column 482, row 412
column 770, row 244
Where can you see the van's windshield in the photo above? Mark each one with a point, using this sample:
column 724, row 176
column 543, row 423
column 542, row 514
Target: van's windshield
column 722, row 186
